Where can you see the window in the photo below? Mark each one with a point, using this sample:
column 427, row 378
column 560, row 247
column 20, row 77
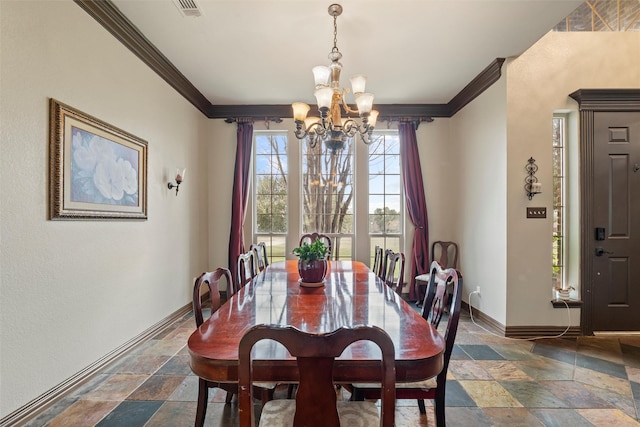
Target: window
column 298, row 189
column 327, row 195
column 559, row 197
column 270, row 195
column 385, row 193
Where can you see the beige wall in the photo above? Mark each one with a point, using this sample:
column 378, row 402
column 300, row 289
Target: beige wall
column 493, row 137
column 538, row 83
column 73, row 291
column 478, row 147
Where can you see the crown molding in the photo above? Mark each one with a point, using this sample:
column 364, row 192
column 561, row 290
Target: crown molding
column 479, row 84
column 110, row 17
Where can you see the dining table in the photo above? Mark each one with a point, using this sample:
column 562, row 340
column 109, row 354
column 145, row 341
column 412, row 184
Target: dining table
column 350, row 295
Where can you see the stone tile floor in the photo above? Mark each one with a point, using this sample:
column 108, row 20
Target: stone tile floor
column 492, row 381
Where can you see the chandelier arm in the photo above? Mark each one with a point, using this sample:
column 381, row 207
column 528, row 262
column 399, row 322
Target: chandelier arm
column 351, row 127
column 317, row 128
column 345, row 106
column 366, row 137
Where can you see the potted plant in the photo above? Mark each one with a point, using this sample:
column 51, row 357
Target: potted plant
column 312, row 262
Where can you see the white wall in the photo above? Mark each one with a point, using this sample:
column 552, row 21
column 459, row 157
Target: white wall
column 478, row 147
column 72, row 291
column 538, row 83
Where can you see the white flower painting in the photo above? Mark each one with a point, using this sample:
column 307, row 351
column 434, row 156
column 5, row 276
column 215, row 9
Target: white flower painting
column 97, row 171
column 102, row 171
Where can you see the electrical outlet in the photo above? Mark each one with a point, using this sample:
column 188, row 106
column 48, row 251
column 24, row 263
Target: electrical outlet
column 478, row 289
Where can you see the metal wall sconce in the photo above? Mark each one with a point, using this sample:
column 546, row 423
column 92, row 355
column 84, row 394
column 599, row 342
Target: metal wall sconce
column 179, row 178
column 532, row 186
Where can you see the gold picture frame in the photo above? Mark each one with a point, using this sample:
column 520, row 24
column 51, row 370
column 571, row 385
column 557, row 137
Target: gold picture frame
column 97, row 171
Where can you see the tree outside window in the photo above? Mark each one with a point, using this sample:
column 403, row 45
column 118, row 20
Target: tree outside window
column 327, row 195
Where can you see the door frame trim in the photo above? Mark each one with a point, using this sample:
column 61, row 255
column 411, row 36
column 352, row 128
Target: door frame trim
column 591, row 101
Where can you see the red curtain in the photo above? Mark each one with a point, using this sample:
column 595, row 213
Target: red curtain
column 241, row 180
column 416, row 204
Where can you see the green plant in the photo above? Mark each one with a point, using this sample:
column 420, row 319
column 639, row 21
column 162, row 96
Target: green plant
column 311, row 251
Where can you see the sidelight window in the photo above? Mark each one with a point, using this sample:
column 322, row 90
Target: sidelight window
column 559, row 201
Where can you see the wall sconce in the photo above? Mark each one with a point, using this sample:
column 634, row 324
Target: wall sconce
column 179, row 178
column 532, row 185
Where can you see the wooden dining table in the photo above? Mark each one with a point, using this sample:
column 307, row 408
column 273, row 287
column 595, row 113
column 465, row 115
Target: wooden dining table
column 351, row 295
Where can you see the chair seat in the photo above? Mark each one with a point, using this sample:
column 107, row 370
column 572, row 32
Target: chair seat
column 280, row 412
column 267, row 386
column 424, row 384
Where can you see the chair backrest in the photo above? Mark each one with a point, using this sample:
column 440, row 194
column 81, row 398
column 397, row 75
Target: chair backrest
column 377, row 261
column 315, row 354
column 393, row 274
column 212, row 280
column 247, row 269
column 260, row 250
column 446, row 253
column 435, row 304
column 311, row 237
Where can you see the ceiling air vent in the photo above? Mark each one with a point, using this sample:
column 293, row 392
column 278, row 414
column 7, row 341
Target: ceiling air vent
column 188, row 7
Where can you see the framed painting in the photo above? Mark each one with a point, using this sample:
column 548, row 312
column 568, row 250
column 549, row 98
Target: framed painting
column 97, row 171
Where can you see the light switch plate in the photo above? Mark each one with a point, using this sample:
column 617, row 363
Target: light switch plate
column 536, row 212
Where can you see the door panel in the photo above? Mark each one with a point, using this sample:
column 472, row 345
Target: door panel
column 616, row 206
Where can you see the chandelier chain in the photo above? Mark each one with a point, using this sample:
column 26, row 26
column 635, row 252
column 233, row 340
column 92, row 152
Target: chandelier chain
column 335, row 34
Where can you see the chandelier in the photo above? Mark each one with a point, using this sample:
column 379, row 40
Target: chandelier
column 331, row 127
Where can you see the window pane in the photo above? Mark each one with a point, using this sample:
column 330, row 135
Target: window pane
column 343, row 248
column 392, row 202
column 392, row 164
column 264, row 223
column 376, row 223
column 376, row 164
column 392, row 184
column 270, row 195
column 392, row 243
column 385, row 190
column 392, row 223
column 376, row 184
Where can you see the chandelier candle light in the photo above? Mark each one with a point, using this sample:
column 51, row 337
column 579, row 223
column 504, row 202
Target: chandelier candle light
column 331, row 127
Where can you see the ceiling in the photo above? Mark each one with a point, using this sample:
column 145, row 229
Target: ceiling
column 261, row 52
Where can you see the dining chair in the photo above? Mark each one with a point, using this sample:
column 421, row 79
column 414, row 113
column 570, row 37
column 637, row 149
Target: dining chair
column 316, row 402
column 212, row 281
column 377, row 261
column 247, row 269
column 262, row 260
column 446, row 254
column 311, row 237
column 393, row 274
column 432, row 311
column 385, row 260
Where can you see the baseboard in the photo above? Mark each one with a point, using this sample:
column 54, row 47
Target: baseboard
column 521, row 331
column 42, row 402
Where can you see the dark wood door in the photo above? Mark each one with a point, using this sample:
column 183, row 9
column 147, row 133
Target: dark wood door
column 616, row 220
